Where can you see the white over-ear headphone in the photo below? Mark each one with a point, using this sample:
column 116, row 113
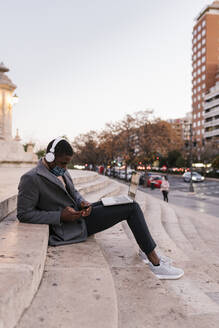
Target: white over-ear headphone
column 50, row 157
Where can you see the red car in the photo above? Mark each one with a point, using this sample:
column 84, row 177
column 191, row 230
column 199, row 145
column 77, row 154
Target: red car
column 154, row 181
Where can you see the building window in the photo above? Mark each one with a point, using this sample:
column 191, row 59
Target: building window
column 194, row 74
column 203, row 59
column 194, row 116
column 204, row 32
column 195, row 66
column 198, row 123
column 199, row 88
column 194, row 40
column 199, row 97
column 203, row 131
column 203, row 68
column 199, row 62
column 199, row 53
column 199, row 80
column 199, row 71
column 194, row 57
column 194, row 125
column 194, row 50
column 203, row 41
column 203, row 50
column 198, row 114
column 195, row 32
column 203, row 23
column 194, row 91
column 199, row 37
column 199, row 45
column 203, row 77
column 198, row 131
column 199, row 28
column 203, row 85
column 199, row 106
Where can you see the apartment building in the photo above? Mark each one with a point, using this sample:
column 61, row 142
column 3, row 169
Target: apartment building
column 205, row 60
column 211, row 115
column 181, row 126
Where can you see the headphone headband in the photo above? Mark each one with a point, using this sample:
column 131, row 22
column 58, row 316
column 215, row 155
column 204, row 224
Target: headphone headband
column 50, row 156
column 54, row 144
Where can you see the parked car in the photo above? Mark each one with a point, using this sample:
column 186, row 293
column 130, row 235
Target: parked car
column 122, row 175
column 196, row 177
column 154, row 181
column 143, row 177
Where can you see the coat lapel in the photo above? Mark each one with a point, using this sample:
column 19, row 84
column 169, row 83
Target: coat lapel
column 43, row 171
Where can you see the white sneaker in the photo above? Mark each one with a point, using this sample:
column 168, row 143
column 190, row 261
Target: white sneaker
column 166, row 271
column 144, row 257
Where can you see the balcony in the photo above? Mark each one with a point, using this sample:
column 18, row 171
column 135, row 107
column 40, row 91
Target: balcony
column 212, row 113
column 211, row 123
column 212, row 133
column 211, row 104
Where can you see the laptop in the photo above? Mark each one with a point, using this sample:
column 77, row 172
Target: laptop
column 116, row 200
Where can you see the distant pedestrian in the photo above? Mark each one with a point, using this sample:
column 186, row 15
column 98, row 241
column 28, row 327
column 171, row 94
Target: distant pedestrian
column 165, row 188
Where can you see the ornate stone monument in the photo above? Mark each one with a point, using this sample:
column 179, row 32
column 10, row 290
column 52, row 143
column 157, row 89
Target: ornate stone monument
column 11, row 151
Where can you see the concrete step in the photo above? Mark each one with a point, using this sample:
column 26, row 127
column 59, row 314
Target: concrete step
column 82, row 176
column 207, row 227
column 7, row 206
column 22, row 256
column 199, row 246
column 195, row 285
column 166, row 244
column 112, row 189
column 77, row 290
column 95, row 185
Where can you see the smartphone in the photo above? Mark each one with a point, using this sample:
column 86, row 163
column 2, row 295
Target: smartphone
column 85, row 207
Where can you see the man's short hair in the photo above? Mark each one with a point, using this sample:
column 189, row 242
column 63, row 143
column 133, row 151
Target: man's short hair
column 63, row 147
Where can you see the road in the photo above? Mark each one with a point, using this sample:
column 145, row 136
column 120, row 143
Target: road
column 205, row 198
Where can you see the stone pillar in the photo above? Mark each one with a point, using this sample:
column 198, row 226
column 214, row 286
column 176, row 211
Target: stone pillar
column 6, row 102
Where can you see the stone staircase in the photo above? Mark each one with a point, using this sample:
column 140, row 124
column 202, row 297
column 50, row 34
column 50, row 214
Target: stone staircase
column 102, row 282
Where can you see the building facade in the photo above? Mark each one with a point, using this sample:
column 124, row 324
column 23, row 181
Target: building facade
column 181, row 126
column 211, row 115
column 205, row 60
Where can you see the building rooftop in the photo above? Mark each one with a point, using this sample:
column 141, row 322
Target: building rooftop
column 214, row 5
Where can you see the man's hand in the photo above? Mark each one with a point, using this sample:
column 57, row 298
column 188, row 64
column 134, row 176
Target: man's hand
column 86, row 208
column 70, row 215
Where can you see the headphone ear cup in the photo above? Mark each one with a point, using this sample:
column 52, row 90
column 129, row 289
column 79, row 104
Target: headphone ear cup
column 50, row 157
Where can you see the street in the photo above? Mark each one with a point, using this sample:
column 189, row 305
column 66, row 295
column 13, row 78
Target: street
column 205, row 198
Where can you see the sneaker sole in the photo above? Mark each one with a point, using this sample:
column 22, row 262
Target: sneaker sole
column 162, row 277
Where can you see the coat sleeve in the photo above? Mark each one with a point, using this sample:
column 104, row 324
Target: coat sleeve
column 28, row 196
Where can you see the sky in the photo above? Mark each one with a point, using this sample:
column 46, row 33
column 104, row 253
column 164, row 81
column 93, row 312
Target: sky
column 79, row 64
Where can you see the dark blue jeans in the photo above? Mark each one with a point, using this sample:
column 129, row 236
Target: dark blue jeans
column 104, row 217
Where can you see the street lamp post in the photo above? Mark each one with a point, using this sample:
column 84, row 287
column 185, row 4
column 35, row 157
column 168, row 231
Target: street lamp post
column 191, row 188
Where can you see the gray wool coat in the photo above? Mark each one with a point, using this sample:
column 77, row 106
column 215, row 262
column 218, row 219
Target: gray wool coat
column 41, row 199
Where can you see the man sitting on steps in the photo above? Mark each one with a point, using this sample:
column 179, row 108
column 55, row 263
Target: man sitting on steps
column 47, row 196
